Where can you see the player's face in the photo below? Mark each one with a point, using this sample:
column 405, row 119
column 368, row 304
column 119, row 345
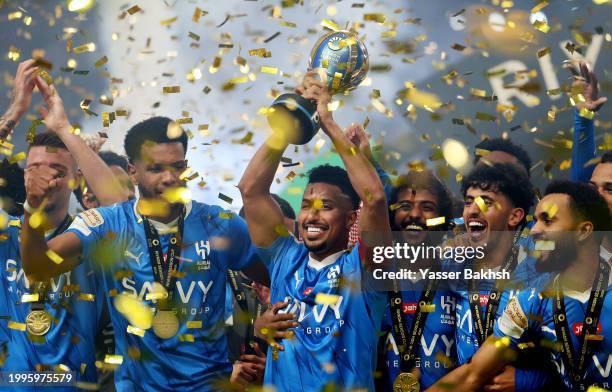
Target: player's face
column 412, row 210
column 487, row 214
column 60, row 160
column 602, row 180
column 158, row 168
column 555, row 222
column 325, row 218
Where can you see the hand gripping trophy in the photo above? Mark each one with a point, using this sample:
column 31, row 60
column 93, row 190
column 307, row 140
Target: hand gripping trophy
column 341, row 60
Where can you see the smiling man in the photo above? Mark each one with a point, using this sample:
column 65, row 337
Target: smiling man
column 571, row 313
column 336, row 316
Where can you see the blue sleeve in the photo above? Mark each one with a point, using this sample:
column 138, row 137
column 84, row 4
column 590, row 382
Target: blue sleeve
column 279, row 249
column 92, row 226
column 583, row 148
column 527, row 380
column 384, row 178
column 242, row 253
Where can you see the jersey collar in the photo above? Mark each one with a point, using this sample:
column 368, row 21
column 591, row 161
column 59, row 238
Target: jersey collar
column 318, row 265
column 188, row 206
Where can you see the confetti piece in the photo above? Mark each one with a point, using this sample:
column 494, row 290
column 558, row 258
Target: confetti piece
column 543, row 52
column 197, row 14
column 86, row 297
column 270, row 38
column 171, row 89
column 57, row 259
column 134, row 9
column 539, row 7
column 423, row 99
column 29, row 297
column 186, row 337
column 260, row 52
column 17, row 326
column 89, row 47
column 136, row 312
column 225, row 198
column 477, row 92
column 458, row 47
column 177, row 195
column 435, row 221
column 20, row 156
column 481, row 204
column 101, row 61
column 330, row 24
column 135, row 331
column 544, row 245
column 167, row 22
column 194, row 324
column 597, row 338
column 377, row 17
column 193, row 36
column 269, row 70
column 586, row 113
column 427, row 308
column 326, row 299
column 541, row 25
column 485, row 116
column 113, row 359
column 317, row 204
column 45, row 75
column 318, row 145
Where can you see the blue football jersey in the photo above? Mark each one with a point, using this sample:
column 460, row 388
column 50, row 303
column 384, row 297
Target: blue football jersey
column 74, row 303
column 213, row 241
column 529, row 318
column 437, row 349
column 336, row 340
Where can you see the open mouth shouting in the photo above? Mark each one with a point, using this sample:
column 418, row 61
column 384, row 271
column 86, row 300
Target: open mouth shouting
column 477, row 229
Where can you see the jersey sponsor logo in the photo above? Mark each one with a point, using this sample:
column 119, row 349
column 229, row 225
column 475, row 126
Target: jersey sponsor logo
column 92, row 218
column 577, row 328
column 428, row 347
column 18, row 276
column 409, row 307
column 605, row 372
column 317, row 311
column 185, row 294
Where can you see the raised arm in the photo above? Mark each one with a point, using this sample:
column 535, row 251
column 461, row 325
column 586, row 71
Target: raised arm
column 21, row 97
column 583, row 145
column 99, row 176
column 40, row 260
column 363, row 176
column 263, row 215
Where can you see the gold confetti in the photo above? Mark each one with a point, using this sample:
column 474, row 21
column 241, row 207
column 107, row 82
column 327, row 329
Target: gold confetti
column 268, row 70
column 17, row 326
column 57, row 259
column 330, row 24
column 541, row 25
column 539, row 7
column 481, row 204
column 197, row 14
column 135, row 331
column 477, row 92
column 326, row 299
column 20, row 156
column 214, row 67
column 543, row 52
column 177, row 195
column 167, row 22
column 376, row 17
column 485, row 116
column 101, row 62
column 86, row 297
column 29, row 297
column 194, row 324
column 586, row 113
column 225, row 198
column 435, row 221
column 136, row 312
column 134, row 9
column 171, row 89
column 318, row 145
column 113, row 359
column 261, row 52
column 89, row 47
column 427, row 308
column 194, row 36
column 186, row 337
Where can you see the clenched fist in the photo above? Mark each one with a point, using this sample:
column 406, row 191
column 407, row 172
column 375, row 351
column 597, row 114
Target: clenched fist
column 40, row 181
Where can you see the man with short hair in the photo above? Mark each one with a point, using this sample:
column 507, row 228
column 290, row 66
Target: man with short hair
column 162, row 253
column 571, row 311
column 334, row 344
column 421, row 209
column 52, row 322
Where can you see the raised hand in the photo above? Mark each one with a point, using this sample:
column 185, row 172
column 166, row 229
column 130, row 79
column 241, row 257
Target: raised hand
column 318, row 92
column 40, row 181
column 54, row 114
column 585, row 83
column 360, row 139
column 21, row 96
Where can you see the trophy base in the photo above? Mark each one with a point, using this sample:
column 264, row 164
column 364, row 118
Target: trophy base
column 295, row 117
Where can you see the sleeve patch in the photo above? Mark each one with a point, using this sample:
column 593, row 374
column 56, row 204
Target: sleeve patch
column 92, row 218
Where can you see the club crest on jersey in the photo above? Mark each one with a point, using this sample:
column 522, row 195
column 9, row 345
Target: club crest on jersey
column 92, row 218
column 333, row 276
column 447, row 304
column 202, row 248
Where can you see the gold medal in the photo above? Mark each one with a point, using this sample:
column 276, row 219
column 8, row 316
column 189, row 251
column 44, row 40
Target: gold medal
column 406, row 382
column 165, row 324
column 38, row 322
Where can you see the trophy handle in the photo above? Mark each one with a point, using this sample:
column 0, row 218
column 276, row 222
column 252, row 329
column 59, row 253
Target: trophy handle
column 294, row 116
